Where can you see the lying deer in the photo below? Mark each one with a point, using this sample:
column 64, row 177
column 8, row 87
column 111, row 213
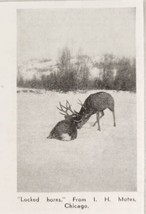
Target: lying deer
column 95, row 104
column 66, row 129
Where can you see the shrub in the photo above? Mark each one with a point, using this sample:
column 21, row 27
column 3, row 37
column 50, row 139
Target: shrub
column 71, row 76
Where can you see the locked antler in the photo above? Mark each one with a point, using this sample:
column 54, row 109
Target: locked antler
column 64, row 109
column 80, row 103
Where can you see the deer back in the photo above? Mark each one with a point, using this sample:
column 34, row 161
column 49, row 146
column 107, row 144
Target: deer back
column 97, row 102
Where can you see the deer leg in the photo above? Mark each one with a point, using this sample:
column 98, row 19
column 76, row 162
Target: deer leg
column 97, row 120
column 114, row 118
column 102, row 114
column 94, row 123
column 97, row 117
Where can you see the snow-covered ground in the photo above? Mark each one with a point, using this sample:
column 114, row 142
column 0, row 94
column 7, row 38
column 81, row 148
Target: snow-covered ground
column 95, row 161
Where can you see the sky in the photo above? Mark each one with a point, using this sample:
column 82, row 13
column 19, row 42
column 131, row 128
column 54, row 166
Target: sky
column 42, row 33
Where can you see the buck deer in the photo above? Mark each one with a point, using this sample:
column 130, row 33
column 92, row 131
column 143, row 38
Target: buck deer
column 65, row 129
column 95, row 104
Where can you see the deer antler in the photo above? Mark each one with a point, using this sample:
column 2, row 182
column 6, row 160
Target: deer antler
column 69, row 107
column 64, row 109
column 80, row 103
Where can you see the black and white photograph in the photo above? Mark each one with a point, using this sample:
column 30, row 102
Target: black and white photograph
column 72, row 107
column 76, row 100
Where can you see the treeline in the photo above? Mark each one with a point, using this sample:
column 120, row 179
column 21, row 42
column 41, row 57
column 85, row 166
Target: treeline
column 76, row 74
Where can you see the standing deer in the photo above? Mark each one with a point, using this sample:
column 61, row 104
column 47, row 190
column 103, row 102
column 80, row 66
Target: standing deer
column 65, row 129
column 96, row 104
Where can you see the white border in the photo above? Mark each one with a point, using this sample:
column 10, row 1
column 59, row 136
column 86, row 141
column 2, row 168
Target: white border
column 8, row 109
